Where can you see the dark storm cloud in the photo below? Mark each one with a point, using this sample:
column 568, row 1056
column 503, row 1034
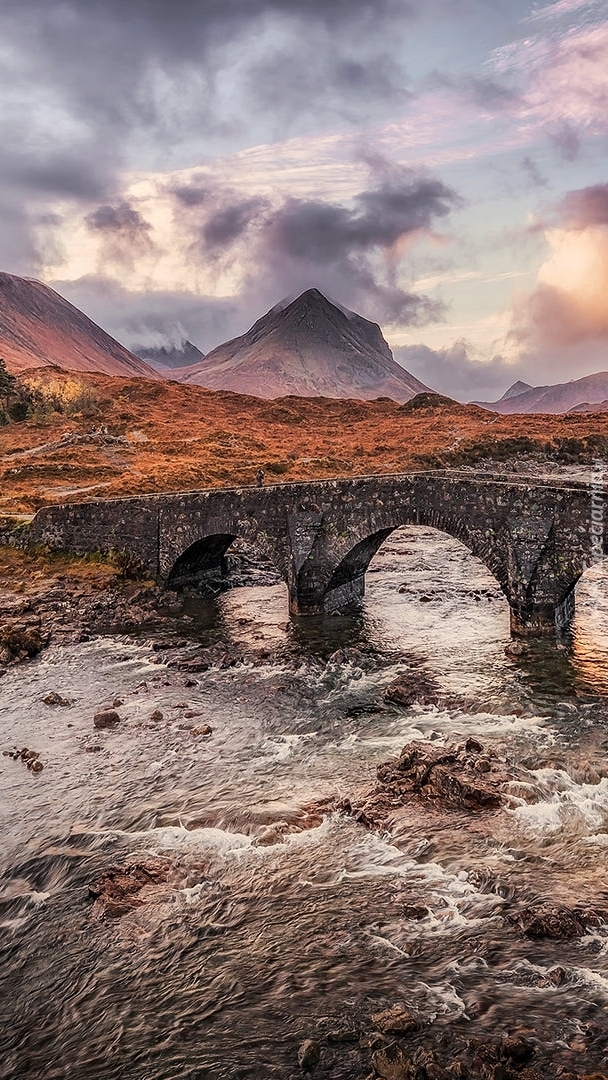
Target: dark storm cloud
column 95, row 87
column 118, row 219
column 351, row 252
column 124, row 233
column 315, row 230
column 194, row 194
column 230, row 222
column 585, row 207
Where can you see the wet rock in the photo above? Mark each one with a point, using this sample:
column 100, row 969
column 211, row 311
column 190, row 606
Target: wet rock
column 545, row 920
column 309, row 1054
column 516, row 1048
column 119, row 890
column 343, row 1035
column 53, row 698
column 517, row 648
column 156, row 716
column 21, row 640
column 414, row 911
column 269, row 835
column 31, row 758
column 458, row 1070
column 557, row 976
column 431, row 771
column 392, row 1063
column 429, row 1066
column 396, row 1021
column 107, row 718
column 414, row 688
column 204, row 730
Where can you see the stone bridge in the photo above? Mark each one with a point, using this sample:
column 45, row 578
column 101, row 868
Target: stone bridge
column 536, row 537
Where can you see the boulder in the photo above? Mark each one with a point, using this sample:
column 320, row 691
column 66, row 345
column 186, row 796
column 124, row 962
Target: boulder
column 392, row 1063
column 106, row 718
column 309, row 1054
column 396, row 1021
column 555, row 921
column 53, row 698
column 413, row 688
column 118, row 891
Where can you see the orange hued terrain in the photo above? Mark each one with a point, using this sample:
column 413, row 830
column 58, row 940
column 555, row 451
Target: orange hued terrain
column 127, row 436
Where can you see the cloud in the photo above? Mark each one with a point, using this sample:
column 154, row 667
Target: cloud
column 124, row 235
column 533, row 172
column 159, row 317
column 585, row 207
column 563, row 79
column 568, row 305
column 459, row 371
column 353, row 251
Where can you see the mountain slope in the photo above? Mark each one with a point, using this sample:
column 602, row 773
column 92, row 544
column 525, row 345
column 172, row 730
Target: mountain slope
column 561, row 398
column 38, row 328
column 307, row 348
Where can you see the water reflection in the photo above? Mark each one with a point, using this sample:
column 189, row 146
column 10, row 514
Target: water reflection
column 589, row 644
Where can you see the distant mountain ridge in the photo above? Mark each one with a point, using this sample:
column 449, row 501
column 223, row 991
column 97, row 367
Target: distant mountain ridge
column 307, row 347
column 174, row 356
column 577, row 395
column 38, row 328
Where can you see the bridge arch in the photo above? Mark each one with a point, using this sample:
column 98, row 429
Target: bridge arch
column 205, row 560
column 346, row 586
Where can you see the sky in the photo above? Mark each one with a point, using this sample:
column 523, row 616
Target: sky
column 439, row 166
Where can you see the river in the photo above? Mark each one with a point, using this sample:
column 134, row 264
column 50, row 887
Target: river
column 250, row 947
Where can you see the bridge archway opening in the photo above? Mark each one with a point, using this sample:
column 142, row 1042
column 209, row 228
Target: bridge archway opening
column 426, row 573
column 222, row 561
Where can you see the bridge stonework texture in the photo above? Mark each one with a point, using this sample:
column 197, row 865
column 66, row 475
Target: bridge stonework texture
column 535, row 537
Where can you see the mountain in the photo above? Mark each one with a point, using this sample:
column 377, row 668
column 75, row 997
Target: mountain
column 561, row 398
column 308, row 347
column 38, row 328
column 176, row 356
column 518, row 387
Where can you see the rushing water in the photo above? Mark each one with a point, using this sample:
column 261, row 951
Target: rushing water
column 250, row 948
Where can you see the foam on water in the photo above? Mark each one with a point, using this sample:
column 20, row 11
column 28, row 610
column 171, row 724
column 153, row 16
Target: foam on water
column 579, row 809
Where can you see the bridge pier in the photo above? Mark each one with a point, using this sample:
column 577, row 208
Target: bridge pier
column 539, row 619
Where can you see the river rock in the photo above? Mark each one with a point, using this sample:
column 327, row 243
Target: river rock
column 392, row 1063
column 516, row 1048
column 309, row 1054
column 106, row 718
column 204, row 729
column 31, row 758
column 449, row 773
column 413, row 688
column 555, row 921
column 21, row 640
column 396, row 1021
column 53, row 698
column 119, row 890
